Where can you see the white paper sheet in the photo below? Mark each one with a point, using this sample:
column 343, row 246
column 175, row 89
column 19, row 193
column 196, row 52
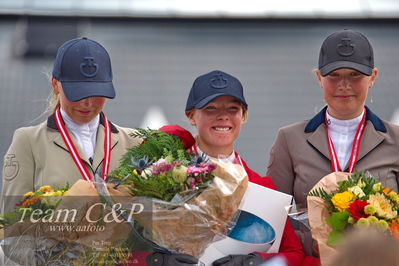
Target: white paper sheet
column 269, row 205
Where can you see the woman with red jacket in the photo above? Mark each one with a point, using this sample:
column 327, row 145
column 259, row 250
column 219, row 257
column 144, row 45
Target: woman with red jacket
column 217, row 108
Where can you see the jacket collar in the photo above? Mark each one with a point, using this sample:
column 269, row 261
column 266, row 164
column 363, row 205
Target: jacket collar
column 52, row 124
column 318, row 119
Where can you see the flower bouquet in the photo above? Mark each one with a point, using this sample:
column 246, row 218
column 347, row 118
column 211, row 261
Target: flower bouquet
column 341, row 201
column 184, row 203
column 19, row 227
column 188, row 201
column 41, row 202
column 64, row 226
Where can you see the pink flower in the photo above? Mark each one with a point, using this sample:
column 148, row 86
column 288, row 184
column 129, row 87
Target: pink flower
column 191, row 182
column 160, row 166
column 194, row 170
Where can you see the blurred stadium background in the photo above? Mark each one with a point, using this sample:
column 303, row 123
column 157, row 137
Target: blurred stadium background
column 158, row 47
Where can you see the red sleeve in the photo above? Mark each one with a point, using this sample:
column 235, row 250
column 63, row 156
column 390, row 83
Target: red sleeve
column 290, row 246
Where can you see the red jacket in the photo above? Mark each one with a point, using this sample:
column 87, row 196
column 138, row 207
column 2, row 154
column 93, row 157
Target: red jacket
column 290, row 246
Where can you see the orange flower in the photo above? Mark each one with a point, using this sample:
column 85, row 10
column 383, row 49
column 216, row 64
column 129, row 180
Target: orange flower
column 45, row 189
column 387, row 191
column 394, row 227
column 30, row 201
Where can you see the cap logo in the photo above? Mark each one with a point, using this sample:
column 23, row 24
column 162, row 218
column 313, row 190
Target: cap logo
column 219, row 82
column 346, row 48
column 88, row 68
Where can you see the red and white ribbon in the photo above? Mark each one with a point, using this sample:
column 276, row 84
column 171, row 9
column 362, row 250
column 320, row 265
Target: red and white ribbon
column 74, row 153
column 355, row 147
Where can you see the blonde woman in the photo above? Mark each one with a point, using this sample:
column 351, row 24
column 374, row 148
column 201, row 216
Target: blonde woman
column 77, row 140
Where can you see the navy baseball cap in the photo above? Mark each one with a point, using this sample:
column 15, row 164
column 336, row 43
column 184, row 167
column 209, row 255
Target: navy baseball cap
column 84, row 69
column 211, row 85
column 346, row 49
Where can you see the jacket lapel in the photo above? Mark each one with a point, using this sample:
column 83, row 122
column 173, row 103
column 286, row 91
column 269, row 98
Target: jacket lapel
column 99, row 150
column 371, row 139
column 58, row 140
column 371, row 136
column 318, row 140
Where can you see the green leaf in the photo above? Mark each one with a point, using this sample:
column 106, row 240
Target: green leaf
column 334, row 238
column 10, row 218
column 338, row 220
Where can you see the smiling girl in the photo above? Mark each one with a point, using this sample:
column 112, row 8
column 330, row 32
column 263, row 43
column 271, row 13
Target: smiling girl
column 217, row 108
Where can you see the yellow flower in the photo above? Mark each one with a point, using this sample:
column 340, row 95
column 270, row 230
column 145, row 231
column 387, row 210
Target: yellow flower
column 382, row 206
column 51, row 198
column 28, row 194
column 45, row 189
column 57, row 193
column 342, row 200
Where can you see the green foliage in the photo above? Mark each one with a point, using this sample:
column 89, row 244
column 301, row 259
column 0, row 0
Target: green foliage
column 161, row 188
column 145, row 175
column 156, row 144
column 338, row 220
column 321, row 193
column 362, row 180
column 10, row 218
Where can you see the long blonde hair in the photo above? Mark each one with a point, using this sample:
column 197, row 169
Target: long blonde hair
column 53, row 102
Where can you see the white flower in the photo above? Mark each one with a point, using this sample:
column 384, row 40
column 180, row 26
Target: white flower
column 145, row 173
column 356, row 190
column 382, row 206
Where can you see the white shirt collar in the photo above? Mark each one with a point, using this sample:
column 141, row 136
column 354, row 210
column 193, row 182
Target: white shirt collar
column 342, row 133
column 343, row 126
column 91, row 126
column 229, row 159
column 85, row 134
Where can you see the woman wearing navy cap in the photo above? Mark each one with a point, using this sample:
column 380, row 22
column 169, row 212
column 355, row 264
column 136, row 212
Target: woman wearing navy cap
column 346, row 134
column 217, row 108
column 77, row 140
